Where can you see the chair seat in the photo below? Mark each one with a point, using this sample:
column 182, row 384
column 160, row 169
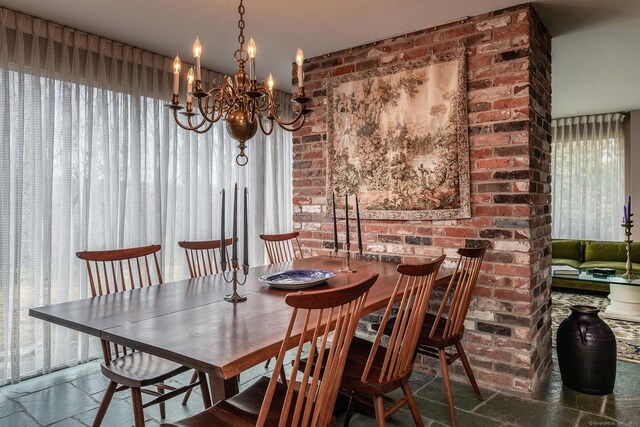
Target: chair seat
column 425, row 341
column 240, row 410
column 140, row 369
column 356, row 362
column 437, row 341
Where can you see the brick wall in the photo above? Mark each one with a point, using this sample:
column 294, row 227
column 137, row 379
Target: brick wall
column 508, row 334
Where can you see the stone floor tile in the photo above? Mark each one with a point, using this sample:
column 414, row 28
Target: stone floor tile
column 439, row 414
column 592, row 420
column 56, row 403
column 53, row 378
column 401, row 418
column 92, row 384
column 7, row 407
column 625, row 408
column 174, row 408
column 19, row 419
column 69, row 422
column 525, row 412
column 119, row 414
column 463, row 395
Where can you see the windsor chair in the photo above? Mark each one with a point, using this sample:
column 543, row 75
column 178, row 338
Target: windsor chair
column 330, row 315
column 282, row 247
column 119, row 270
column 374, row 370
column 446, row 328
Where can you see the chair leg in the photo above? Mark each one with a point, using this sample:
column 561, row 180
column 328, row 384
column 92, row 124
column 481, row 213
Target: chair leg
column 266, row 364
column 347, row 417
column 138, row 414
column 444, row 368
column 163, row 413
column 104, row 404
column 413, row 406
column 379, row 405
column 467, row 368
column 194, row 378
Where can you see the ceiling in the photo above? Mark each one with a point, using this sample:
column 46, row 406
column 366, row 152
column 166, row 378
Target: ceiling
column 596, row 53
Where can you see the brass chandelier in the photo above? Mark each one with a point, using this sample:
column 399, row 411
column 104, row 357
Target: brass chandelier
column 245, row 105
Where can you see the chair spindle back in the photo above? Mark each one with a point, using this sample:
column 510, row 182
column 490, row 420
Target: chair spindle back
column 335, row 312
column 413, row 288
column 282, row 247
column 457, row 297
column 119, row 270
column 204, row 257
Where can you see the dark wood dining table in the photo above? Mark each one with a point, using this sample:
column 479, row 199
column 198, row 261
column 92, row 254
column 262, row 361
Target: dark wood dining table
column 190, row 323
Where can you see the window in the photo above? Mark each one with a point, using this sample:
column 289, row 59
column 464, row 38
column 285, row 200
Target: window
column 588, row 177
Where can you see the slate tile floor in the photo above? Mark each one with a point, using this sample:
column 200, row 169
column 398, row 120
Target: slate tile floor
column 70, row 397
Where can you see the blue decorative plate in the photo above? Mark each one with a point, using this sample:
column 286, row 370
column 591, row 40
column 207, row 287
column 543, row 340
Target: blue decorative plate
column 297, row 279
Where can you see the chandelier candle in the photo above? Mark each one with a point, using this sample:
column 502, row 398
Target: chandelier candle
column 251, row 50
column 176, row 76
column 197, row 51
column 335, row 226
column 300, row 61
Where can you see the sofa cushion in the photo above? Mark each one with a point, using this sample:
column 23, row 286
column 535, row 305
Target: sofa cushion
column 565, row 261
column 618, row 265
column 567, row 249
column 610, row 251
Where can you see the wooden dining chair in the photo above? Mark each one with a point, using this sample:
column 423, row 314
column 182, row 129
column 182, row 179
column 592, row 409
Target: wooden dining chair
column 325, row 319
column 205, row 257
column 373, row 369
column 282, row 247
column 115, row 271
column 446, row 328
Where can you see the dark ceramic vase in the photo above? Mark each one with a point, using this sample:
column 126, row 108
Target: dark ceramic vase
column 586, row 352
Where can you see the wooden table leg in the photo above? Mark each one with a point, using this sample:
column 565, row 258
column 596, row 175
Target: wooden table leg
column 206, row 397
column 223, row 389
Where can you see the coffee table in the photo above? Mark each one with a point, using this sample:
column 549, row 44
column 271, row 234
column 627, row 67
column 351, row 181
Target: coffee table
column 624, row 294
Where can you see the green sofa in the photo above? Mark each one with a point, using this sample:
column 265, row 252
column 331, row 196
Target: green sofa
column 591, row 254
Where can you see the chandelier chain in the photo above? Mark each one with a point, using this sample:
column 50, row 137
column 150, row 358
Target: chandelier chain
column 241, row 25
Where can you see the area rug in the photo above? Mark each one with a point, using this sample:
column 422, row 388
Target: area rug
column 627, row 333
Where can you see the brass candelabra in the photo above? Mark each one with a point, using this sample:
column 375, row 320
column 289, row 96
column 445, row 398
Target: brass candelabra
column 235, row 280
column 628, row 225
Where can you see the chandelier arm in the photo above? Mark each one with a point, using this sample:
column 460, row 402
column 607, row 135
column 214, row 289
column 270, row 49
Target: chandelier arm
column 262, row 128
column 206, row 129
column 195, row 128
column 292, row 128
column 283, row 123
column 183, row 126
column 205, row 110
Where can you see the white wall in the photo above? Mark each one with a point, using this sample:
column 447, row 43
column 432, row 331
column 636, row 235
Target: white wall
column 633, row 179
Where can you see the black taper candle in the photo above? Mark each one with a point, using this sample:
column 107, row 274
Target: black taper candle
column 223, row 246
column 346, row 214
column 358, row 226
column 234, row 244
column 335, row 225
column 245, row 253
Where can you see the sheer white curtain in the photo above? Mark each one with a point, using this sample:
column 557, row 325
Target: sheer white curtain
column 91, row 159
column 588, row 177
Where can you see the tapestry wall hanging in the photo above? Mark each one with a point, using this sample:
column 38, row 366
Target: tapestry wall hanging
column 398, row 137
